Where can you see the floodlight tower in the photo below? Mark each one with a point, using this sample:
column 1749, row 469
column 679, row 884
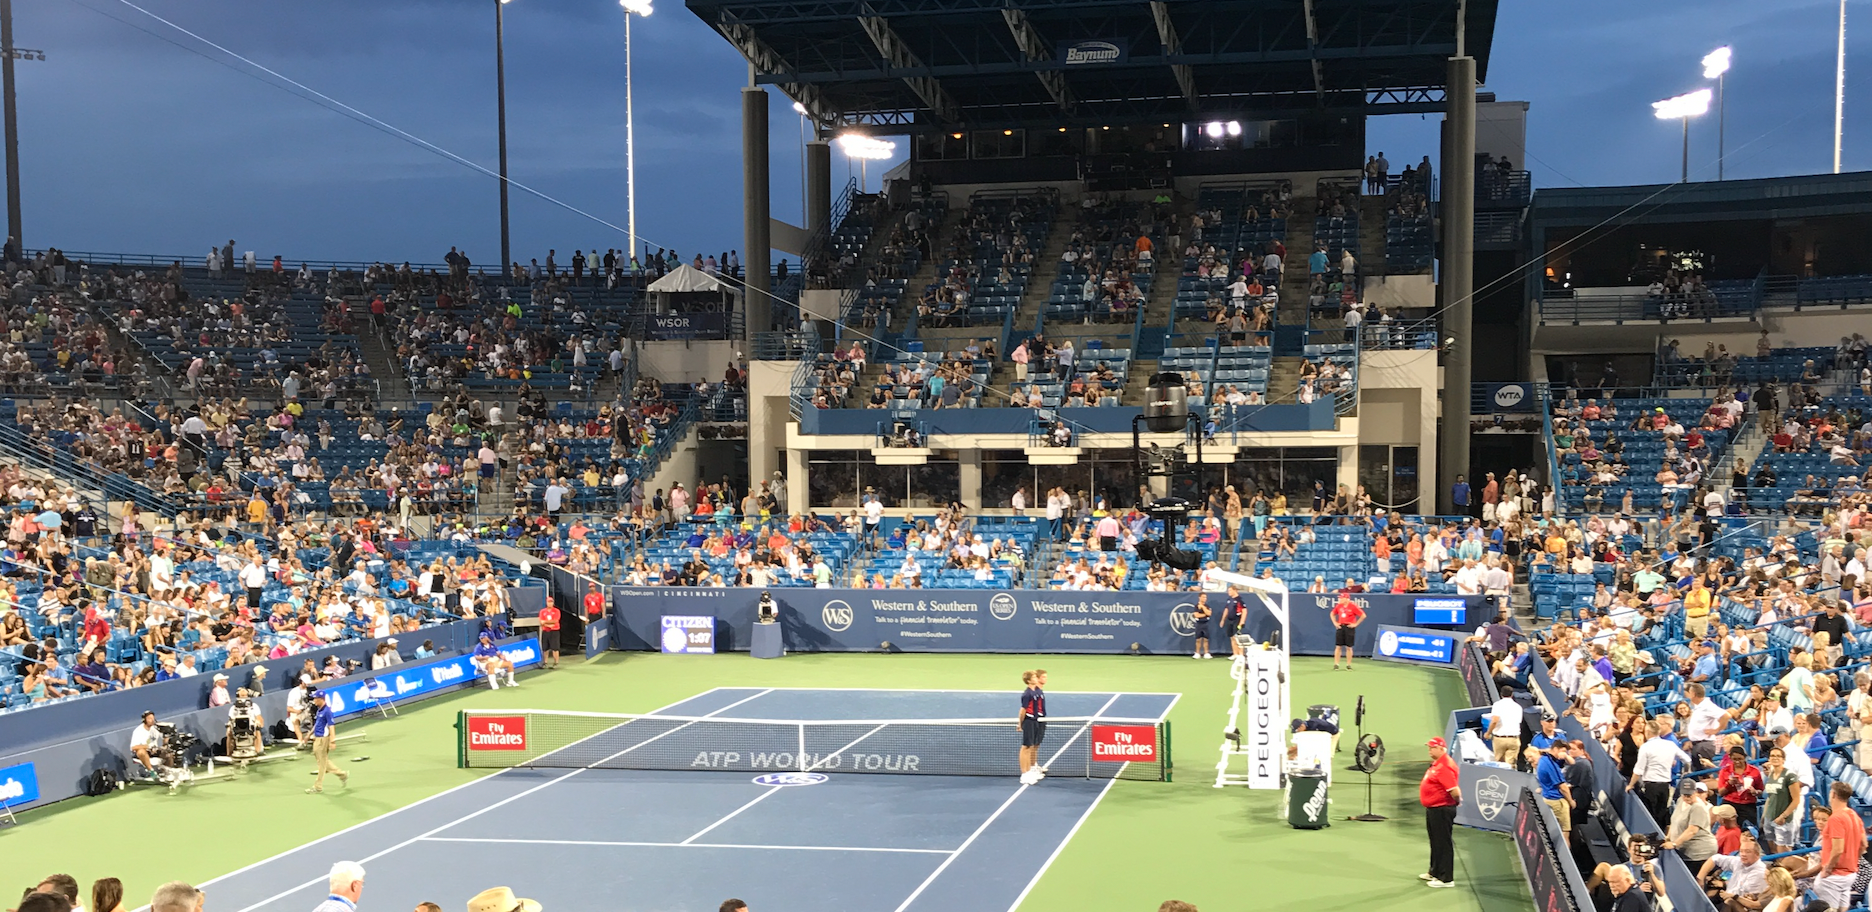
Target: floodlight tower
column 1683, row 107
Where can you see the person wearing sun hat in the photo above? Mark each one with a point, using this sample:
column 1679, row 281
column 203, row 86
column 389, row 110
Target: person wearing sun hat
column 1440, row 796
column 501, row 899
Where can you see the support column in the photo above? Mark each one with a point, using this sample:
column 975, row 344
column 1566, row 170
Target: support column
column 1458, row 275
column 757, row 245
column 12, row 128
column 818, row 184
column 970, row 465
column 798, row 492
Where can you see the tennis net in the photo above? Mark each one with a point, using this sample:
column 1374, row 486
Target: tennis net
column 1077, row 747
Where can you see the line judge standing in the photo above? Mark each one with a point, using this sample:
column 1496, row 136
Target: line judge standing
column 1440, row 795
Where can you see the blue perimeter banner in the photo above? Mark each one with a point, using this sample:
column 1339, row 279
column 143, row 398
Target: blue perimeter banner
column 402, row 682
column 980, row 620
column 1405, row 644
column 19, row 785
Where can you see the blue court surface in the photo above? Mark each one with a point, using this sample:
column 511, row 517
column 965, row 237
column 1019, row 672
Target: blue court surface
column 682, row 841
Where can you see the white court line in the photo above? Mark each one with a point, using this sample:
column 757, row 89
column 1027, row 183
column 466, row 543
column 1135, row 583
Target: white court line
column 388, row 814
column 467, row 817
column 732, row 814
column 955, row 690
column 691, row 845
column 994, row 816
column 1062, row 846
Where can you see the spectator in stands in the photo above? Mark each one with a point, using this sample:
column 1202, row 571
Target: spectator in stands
column 1736, row 882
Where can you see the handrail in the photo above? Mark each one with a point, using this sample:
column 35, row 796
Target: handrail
column 63, row 464
column 1640, row 307
column 1543, row 393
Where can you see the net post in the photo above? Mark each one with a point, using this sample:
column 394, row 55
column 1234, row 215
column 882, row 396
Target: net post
column 461, row 739
column 800, row 758
column 1163, row 737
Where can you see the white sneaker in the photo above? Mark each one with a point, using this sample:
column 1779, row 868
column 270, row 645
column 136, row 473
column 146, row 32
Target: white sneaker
column 493, row 683
column 1041, row 771
column 1425, row 877
column 511, row 682
column 1196, row 655
column 1440, row 883
column 1029, row 778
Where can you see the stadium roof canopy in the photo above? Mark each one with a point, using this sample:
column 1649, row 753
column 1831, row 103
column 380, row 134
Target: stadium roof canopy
column 929, row 65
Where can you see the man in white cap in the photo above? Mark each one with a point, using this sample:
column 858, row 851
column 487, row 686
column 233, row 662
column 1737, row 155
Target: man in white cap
column 501, row 899
column 219, row 695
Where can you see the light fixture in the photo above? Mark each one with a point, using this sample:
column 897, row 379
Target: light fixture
column 799, row 108
column 1062, row 129
column 637, row 7
column 955, row 136
column 1716, row 63
column 1689, row 104
column 1234, row 128
column 1007, row 132
column 1214, row 130
column 858, row 145
column 1105, row 128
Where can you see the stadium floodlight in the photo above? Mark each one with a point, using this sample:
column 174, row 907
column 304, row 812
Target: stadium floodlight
column 865, row 149
column 631, row 8
column 1683, row 107
column 1715, row 64
column 1214, row 130
column 799, row 108
column 1234, row 128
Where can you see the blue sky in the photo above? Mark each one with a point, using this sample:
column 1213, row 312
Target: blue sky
column 133, row 143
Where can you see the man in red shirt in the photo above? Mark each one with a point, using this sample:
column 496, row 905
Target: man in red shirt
column 549, row 635
column 1440, row 796
column 1841, row 843
column 594, row 603
column 1346, row 615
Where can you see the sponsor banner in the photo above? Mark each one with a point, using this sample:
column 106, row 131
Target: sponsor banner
column 1510, row 397
column 1401, row 644
column 984, row 620
column 1490, row 795
column 689, row 326
column 353, row 695
column 19, row 785
column 1267, row 717
column 497, row 733
column 1124, row 743
column 1472, row 664
column 1537, row 835
column 688, row 633
column 1093, row 52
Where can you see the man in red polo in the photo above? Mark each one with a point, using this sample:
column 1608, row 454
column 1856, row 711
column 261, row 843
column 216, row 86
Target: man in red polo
column 1440, row 796
column 549, row 635
column 1346, row 615
column 594, row 603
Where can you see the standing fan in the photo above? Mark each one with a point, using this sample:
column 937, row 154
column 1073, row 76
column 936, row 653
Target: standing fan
column 1367, row 756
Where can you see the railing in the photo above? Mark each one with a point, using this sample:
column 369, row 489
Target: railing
column 813, row 253
column 1644, row 308
column 798, row 345
column 1514, row 188
column 1544, row 397
column 1500, row 227
column 1417, row 335
column 63, row 464
column 801, row 399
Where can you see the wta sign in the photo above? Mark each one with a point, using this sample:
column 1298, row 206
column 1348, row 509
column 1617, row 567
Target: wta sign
column 1124, row 743
column 497, row 733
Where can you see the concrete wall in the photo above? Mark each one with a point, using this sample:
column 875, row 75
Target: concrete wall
column 1401, row 291
column 770, row 388
column 821, row 303
column 687, row 362
column 679, row 465
column 787, row 238
column 1398, row 405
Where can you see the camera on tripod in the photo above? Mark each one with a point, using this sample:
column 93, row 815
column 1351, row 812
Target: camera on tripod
column 176, row 745
column 245, row 726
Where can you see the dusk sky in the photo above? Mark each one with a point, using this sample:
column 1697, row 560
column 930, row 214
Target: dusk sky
column 133, row 142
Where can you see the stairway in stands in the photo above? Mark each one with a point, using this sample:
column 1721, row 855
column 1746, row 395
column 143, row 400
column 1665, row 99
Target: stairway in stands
column 1372, row 235
column 393, row 389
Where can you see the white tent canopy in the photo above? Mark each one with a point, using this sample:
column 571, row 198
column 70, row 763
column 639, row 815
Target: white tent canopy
column 686, row 278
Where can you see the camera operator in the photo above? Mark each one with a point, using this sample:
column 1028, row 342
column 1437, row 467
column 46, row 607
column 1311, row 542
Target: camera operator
column 246, row 726
column 1746, row 889
column 297, row 701
column 1616, row 888
column 146, row 740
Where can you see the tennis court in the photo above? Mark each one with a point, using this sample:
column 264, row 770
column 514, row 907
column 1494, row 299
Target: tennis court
column 665, row 813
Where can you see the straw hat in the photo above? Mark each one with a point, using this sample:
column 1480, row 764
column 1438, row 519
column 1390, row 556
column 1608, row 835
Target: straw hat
column 500, row 899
